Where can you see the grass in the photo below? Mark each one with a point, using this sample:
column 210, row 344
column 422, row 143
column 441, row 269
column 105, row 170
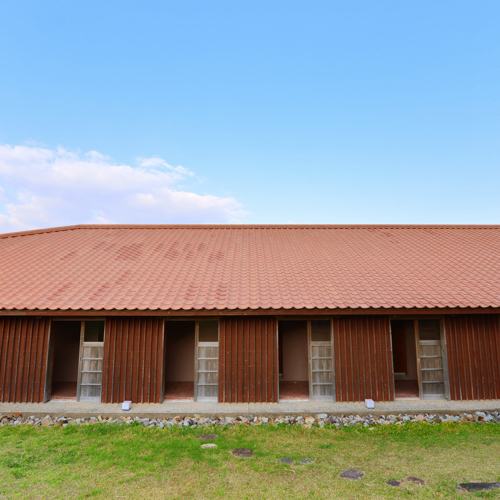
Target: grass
column 130, row 461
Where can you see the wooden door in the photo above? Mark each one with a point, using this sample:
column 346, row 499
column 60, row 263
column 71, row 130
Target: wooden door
column 431, row 359
column 207, row 361
column 321, row 386
column 91, row 361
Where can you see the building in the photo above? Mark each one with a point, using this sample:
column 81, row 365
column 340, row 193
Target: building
column 250, row 313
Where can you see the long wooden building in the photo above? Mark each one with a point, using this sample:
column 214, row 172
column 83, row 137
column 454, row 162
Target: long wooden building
column 234, row 314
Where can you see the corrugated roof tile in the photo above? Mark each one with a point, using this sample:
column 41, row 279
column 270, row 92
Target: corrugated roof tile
column 250, row 267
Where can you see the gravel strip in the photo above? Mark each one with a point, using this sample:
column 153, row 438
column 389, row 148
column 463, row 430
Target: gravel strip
column 199, row 421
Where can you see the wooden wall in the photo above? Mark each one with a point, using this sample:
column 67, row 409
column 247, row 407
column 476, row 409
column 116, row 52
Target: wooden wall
column 363, row 358
column 133, row 360
column 473, row 356
column 23, row 358
column 248, row 360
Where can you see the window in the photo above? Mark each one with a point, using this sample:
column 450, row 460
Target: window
column 94, row 331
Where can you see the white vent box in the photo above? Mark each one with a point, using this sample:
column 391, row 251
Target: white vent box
column 126, row 405
column 370, row 404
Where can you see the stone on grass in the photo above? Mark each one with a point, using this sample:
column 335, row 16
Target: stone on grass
column 478, row 486
column 306, row 461
column 47, row 422
column 415, row 480
column 243, row 452
column 286, row 460
column 352, row 474
column 207, row 436
column 209, row 445
column 393, row 483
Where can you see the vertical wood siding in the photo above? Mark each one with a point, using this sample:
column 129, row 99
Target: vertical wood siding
column 248, row 360
column 363, row 358
column 23, row 359
column 473, row 356
column 133, row 360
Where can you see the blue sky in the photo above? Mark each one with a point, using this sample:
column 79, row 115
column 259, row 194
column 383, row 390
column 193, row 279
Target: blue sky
column 253, row 112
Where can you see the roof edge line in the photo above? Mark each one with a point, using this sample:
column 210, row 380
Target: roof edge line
column 245, row 226
column 173, row 312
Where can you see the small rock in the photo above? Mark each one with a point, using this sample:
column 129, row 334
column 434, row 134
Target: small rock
column 207, row 436
column 242, row 452
column 286, row 460
column 353, row 474
column 209, row 445
column 47, row 422
column 419, row 418
column 306, row 461
column 415, row 480
column 393, row 483
column 322, row 415
column 478, row 486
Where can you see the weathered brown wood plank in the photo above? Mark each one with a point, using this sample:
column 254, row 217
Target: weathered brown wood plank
column 474, row 361
column 250, row 369
column 23, row 367
column 363, row 362
column 133, row 361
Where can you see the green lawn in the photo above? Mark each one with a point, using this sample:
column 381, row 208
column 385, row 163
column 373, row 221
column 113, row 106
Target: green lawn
column 130, row 461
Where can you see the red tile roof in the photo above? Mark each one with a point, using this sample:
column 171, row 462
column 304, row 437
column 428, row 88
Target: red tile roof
column 250, row 267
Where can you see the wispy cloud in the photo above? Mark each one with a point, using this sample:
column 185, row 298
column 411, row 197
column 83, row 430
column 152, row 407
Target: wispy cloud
column 41, row 187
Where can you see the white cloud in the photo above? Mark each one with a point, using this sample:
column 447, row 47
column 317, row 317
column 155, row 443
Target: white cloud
column 41, row 187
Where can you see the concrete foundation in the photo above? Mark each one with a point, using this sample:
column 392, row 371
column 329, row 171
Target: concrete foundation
column 75, row 410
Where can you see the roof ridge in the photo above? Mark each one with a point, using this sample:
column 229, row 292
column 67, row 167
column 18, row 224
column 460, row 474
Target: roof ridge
column 30, row 232
column 246, row 226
